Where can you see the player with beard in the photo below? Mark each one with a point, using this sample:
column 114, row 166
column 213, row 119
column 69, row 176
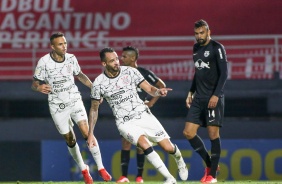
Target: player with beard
column 118, row 85
column 129, row 57
column 54, row 76
column 205, row 98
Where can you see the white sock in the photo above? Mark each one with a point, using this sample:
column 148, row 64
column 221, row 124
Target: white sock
column 177, row 155
column 76, row 155
column 95, row 151
column 156, row 161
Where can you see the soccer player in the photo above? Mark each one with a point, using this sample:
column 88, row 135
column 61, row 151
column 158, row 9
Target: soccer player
column 206, row 98
column 129, row 57
column 118, row 85
column 54, row 76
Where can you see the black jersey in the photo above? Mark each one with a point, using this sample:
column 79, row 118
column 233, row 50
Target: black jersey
column 150, row 77
column 210, row 70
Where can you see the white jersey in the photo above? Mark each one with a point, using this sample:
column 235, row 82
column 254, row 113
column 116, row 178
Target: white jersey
column 121, row 93
column 60, row 76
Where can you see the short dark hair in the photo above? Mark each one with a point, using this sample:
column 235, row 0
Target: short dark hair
column 201, row 23
column 131, row 48
column 56, row 35
column 104, row 51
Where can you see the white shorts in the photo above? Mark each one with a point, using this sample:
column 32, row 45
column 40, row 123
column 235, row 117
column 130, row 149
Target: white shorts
column 147, row 125
column 63, row 114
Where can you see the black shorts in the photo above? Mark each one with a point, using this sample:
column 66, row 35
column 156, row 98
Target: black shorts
column 200, row 114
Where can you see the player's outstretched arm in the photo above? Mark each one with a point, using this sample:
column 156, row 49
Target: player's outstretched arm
column 153, row 100
column 153, row 91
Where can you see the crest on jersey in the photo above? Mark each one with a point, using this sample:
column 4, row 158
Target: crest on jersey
column 207, row 53
column 199, row 64
column 69, row 70
column 123, row 81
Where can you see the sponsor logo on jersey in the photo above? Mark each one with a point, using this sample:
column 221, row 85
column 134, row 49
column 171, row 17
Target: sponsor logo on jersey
column 207, row 53
column 123, row 99
column 199, row 64
column 118, row 93
column 60, row 81
column 63, row 89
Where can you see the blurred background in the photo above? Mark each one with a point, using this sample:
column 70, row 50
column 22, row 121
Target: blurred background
column 32, row 149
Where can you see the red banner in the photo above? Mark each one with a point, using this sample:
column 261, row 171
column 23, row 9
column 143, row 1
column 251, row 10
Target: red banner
column 24, row 21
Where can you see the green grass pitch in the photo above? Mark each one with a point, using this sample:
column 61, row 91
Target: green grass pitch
column 149, row 182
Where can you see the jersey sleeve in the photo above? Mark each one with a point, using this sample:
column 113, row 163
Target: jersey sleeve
column 151, row 77
column 222, row 68
column 76, row 67
column 193, row 85
column 39, row 72
column 137, row 76
column 95, row 90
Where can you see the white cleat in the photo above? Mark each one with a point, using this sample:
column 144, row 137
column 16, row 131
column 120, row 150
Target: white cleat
column 182, row 169
column 170, row 181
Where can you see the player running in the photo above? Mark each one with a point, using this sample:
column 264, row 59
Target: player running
column 129, row 57
column 118, row 85
column 54, row 75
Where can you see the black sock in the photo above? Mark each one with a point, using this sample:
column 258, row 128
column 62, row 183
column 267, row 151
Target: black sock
column 125, row 157
column 215, row 155
column 140, row 164
column 198, row 145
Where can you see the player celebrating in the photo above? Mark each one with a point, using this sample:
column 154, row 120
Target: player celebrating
column 118, row 85
column 129, row 58
column 206, row 98
column 54, row 75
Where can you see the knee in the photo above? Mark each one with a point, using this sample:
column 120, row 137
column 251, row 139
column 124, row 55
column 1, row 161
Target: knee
column 168, row 148
column 71, row 143
column 188, row 134
column 126, row 145
column 70, row 139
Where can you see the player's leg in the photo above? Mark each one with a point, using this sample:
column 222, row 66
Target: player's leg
column 173, row 150
column 135, row 131
column 140, row 164
column 215, row 150
column 74, row 151
column 214, row 118
column 73, row 148
column 190, row 132
column 124, row 158
column 95, row 151
column 79, row 115
column 195, row 119
column 153, row 157
column 61, row 117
